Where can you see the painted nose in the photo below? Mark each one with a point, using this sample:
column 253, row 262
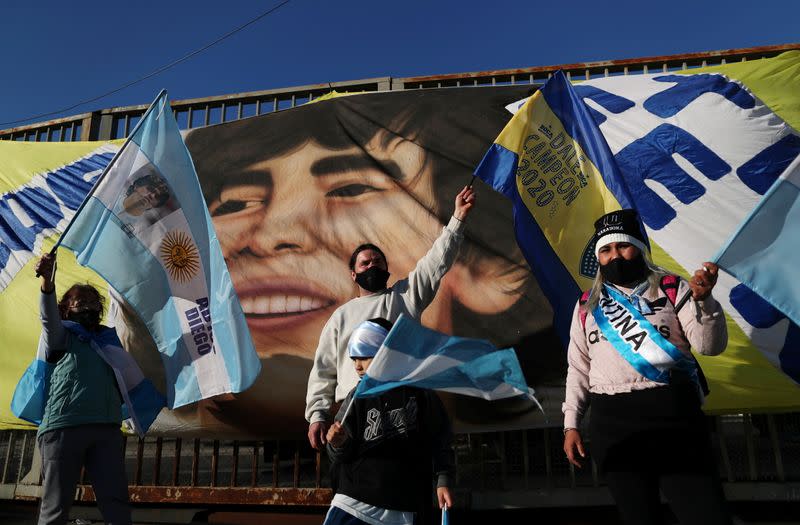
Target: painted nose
column 278, row 234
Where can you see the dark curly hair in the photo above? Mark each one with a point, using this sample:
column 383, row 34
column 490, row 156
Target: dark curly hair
column 63, row 304
column 153, row 180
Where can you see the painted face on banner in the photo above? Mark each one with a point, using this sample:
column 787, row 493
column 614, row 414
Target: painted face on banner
column 288, row 225
column 292, row 194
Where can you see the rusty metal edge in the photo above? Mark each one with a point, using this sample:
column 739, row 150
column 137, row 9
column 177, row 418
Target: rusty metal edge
column 220, row 495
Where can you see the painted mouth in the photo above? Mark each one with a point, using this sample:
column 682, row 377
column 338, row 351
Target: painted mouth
column 282, row 305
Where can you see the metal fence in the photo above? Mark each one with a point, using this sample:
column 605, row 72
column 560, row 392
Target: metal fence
column 116, row 122
column 758, row 458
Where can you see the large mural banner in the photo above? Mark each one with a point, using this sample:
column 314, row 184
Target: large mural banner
column 292, row 193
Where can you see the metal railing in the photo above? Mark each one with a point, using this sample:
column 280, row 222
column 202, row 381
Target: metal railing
column 758, row 457
column 113, row 123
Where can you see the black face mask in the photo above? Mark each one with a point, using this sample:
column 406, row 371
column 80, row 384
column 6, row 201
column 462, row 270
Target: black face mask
column 621, row 271
column 89, row 319
column 373, row 279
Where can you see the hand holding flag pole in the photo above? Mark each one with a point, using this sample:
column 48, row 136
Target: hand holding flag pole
column 465, row 201
column 700, row 284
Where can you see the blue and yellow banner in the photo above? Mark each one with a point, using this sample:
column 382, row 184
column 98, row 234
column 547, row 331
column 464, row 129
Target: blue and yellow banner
column 554, row 164
column 694, row 152
column 292, row 193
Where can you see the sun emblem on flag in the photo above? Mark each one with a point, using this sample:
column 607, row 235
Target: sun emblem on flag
column 179, row 255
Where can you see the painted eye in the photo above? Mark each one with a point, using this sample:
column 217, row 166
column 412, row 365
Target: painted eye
column 239, row 198
column 351, row 190
column 228, row 207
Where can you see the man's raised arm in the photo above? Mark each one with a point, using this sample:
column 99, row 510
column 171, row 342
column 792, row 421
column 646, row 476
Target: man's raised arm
column 423, row 281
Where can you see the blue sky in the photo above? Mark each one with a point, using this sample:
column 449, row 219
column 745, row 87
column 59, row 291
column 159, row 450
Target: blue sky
column 58, row 53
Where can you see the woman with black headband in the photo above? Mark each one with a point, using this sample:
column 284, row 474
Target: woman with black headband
column 630, row 358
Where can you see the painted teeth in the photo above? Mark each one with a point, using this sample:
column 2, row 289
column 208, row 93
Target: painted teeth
column 280, row 304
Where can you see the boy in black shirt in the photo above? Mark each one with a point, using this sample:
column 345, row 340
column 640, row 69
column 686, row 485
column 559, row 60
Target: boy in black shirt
column 388, row 449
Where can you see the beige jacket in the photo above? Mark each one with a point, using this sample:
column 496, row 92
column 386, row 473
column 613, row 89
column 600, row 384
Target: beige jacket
column 333, row 374
column 594, row 365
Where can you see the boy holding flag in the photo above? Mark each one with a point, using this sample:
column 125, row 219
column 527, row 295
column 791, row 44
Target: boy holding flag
column 386, row 449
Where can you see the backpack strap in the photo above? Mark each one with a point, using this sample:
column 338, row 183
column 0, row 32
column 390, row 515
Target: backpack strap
column 583, row 312
column 669, row 285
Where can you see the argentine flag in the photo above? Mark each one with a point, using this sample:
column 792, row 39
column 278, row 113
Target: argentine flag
column 146, row 230
column 764, row 251
column 412, row 355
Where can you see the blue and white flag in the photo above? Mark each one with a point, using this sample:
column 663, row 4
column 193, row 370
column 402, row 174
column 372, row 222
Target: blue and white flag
column 146, row 230
column 764, row 252
column 412, row 355
column 636, row 339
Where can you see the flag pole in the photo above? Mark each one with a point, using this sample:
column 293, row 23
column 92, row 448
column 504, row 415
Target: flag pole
column 683, row 300
column 347, row 410
column 106, row 170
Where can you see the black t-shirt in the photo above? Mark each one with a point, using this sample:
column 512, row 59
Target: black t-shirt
column 398, row 441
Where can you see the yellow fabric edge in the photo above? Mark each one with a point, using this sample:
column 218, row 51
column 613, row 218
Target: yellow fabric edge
column 775, row 81
column 23, row 160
